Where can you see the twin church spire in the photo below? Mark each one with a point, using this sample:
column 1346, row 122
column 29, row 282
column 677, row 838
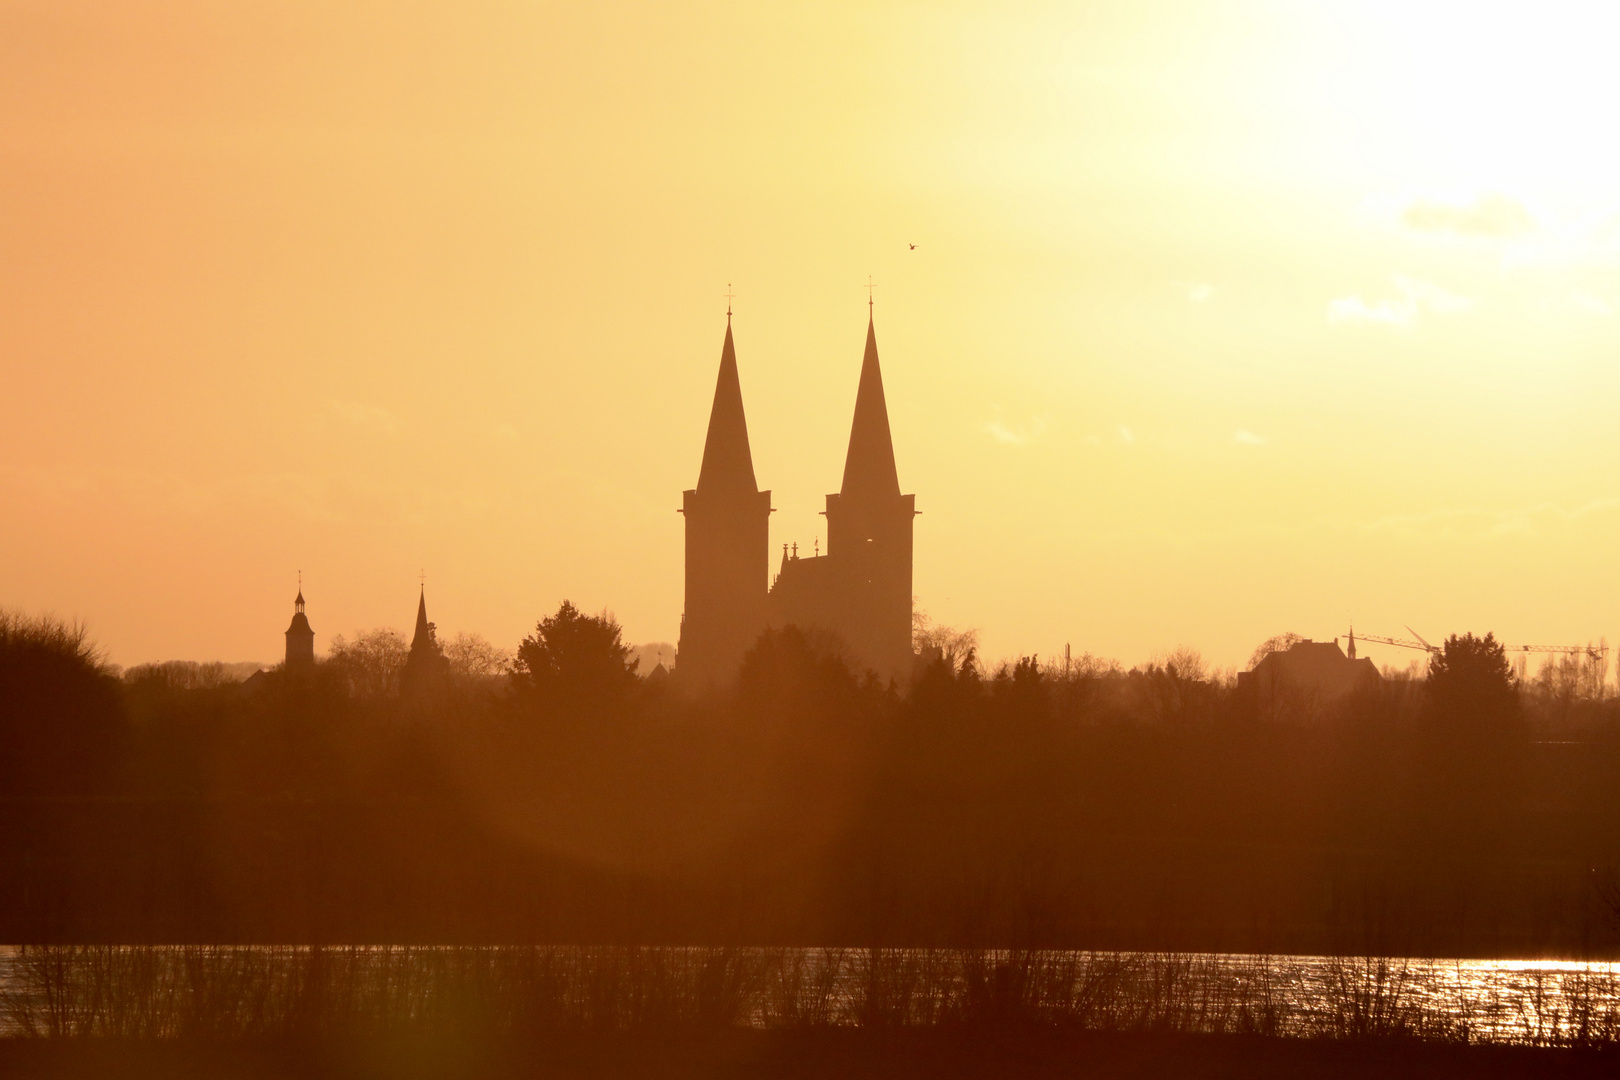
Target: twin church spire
column 869, row 464
column 728, row 464
column 859, row 591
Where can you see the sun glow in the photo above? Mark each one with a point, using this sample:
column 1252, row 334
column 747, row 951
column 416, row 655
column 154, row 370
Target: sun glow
column 1512, row 98
column 362, row 291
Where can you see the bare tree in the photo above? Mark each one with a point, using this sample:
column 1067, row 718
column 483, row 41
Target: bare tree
column 1279, row 643
column 473, row 656
column 956, row 648
column 372, row 662
column 1186, row 663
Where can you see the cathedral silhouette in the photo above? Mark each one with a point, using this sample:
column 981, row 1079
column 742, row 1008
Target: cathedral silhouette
column 859, row 590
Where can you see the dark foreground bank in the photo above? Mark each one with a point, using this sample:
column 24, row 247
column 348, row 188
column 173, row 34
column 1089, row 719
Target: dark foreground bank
column 793, row 1055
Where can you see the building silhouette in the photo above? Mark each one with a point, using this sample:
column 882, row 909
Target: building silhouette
column 426, row 661
column 727, row 541
column 859, row 589
column 300, row 638
column 1306, row 678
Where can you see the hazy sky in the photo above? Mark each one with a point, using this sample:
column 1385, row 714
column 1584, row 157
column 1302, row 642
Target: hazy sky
column 1223, row 319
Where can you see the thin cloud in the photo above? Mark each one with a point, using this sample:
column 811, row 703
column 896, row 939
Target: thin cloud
column 1016, row 435
column 1579, row 301
column 1589, row 303
column 1416, row 296
column 1432, row 297
column 1244, row 437
column 1350, row 309
column 1490, row 215
column 1126, row 434
column 1467, row 524
column 1198, row 292
column 1481, row 523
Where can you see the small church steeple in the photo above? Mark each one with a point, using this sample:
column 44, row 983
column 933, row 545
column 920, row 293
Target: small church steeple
column 426, row 663
column 423, row 636
column 300, row 637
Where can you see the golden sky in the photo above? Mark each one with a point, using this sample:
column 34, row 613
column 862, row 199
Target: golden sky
column 1224, row 319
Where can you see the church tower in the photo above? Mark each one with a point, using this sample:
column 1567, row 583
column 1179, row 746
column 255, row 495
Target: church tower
column 300, row 638
column 426, row 661
column 727, row 542
column 869, row 531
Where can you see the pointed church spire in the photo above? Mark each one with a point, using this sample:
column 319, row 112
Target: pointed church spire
column 869, row 466
column 424, row 629
column 727, row 461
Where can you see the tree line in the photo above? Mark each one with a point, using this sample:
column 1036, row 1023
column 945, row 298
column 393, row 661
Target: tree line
column 556, row 795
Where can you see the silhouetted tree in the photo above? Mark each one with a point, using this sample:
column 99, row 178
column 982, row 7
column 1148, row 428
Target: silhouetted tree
column 807, row 803
column 795, row 666
column 1020, row 690
column 371, row 664
column 573, row 658
column 62, row 722
column 1275, row 643
column 472, row 656
column 1473, row 750
column 933, row 642
column 945, row 684
column 1471, row 685
column 188, row 675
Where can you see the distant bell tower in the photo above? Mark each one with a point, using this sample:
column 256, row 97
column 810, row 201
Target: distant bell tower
column 426, row 661
column 869, row 532
column 727, row 542
column 300, row 638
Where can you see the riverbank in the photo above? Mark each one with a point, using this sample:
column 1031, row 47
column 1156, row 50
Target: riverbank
column 810, row 1054
column 289, row 993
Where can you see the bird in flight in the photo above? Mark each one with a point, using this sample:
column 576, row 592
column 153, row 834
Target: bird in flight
column 913, row 247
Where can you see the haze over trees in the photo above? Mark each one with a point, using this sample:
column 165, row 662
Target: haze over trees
column 560, row 797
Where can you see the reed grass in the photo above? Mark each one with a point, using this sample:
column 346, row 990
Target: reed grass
column 70, row 991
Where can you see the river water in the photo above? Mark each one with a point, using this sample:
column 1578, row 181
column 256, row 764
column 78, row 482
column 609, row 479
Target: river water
column 221, row 989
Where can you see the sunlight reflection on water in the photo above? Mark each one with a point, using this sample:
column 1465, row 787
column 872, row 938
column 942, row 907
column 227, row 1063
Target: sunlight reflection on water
column 1508, row 1000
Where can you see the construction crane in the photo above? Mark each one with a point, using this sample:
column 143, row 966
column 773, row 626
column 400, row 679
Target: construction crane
column 1596, row 652
column 1401, row 642
column 1593, row 652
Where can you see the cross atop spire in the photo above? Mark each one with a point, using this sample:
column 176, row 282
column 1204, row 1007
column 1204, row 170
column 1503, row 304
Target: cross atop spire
column 729, row 295
column 869, row 288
